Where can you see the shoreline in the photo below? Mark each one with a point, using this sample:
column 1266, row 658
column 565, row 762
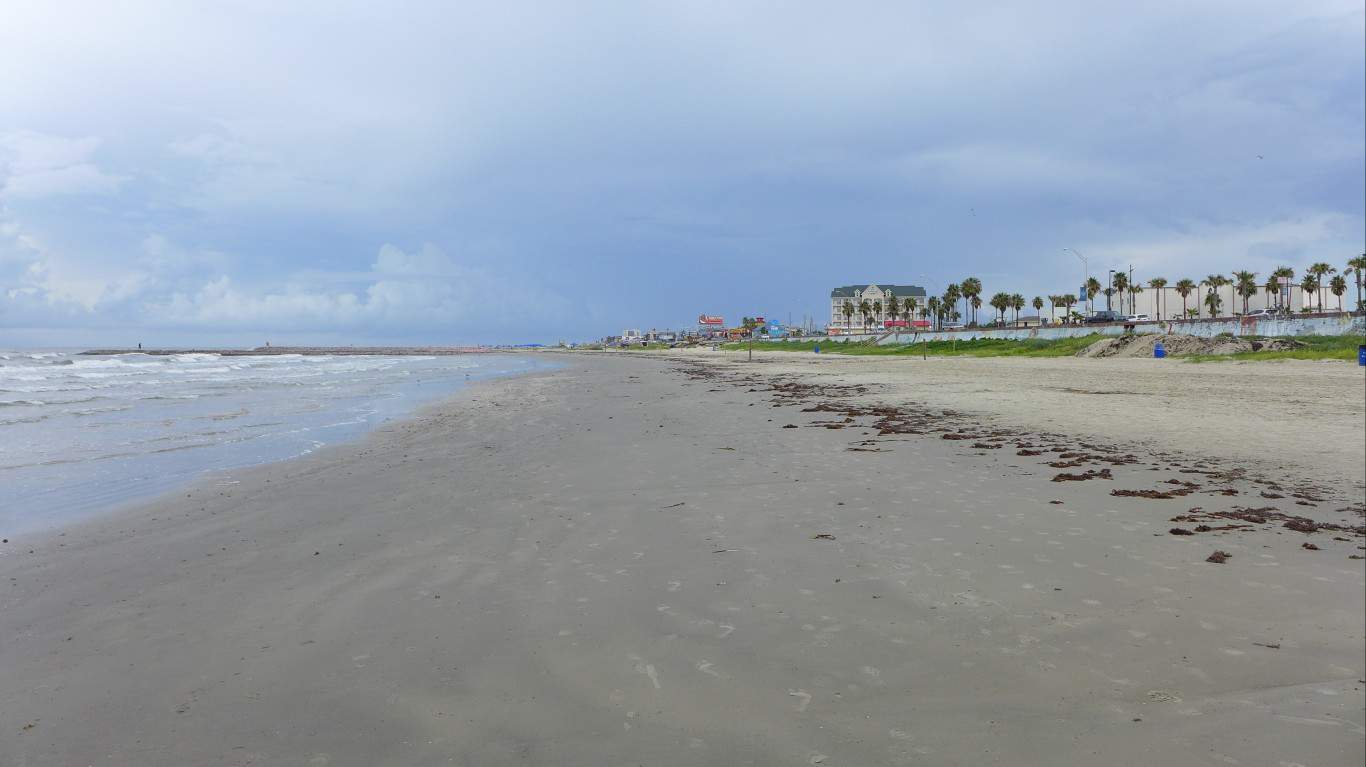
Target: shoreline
column 132, row 483
column 312, row 351
column 651, row 560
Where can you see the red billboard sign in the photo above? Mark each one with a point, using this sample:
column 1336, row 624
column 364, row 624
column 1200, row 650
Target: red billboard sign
column 895, row 324
column 710, row 319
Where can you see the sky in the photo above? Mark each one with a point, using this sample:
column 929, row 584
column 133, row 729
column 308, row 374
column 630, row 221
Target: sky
column 428, row 172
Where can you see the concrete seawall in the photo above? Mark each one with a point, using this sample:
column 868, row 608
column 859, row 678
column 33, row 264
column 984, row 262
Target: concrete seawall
column 1308, row 325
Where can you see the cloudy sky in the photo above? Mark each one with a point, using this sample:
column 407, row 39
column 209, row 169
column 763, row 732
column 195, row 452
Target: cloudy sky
column 451, row 172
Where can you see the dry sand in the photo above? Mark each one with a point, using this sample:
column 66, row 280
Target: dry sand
column 1289, row 418
column 634, row 561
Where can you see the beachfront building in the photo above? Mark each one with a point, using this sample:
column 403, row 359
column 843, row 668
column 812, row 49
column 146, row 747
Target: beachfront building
column 877, row 297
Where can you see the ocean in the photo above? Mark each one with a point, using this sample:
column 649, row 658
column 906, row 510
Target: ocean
column 84, row 434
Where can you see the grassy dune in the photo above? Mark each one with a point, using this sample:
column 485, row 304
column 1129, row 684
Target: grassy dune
column 982, row 347
column 1316, row 348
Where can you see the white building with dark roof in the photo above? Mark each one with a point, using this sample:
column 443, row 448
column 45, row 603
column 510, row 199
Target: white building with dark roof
column 877, row 297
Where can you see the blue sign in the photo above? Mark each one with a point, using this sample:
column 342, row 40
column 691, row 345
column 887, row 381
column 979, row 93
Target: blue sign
column 1081, row 293
column 1361, row 355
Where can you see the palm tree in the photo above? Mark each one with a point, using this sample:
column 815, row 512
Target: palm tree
column 848, row 311
column 1216, row 281
column 1321, row 270
column 910, row 307
column 1017, row 302
column 932, row 306
column 1212, row 300
column 1245, row 285
column 1273, row 289
column 1310, row 286
column 865, row 309
column 1159, row 284
column 893, row 308
column 951, row 296
column 1279, row 272
column 1092, row 288
column 1357, row 267
column 1000, row 302
column 877, row 311
column 1068, row 300
column 1037, row 303
column 1135, row 290
column 1184, row 287
column 1119, row 282
column 972, row 289
column 1337, row 286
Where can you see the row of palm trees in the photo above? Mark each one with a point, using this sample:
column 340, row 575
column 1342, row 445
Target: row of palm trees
column 1244, row 284
column 942, row 309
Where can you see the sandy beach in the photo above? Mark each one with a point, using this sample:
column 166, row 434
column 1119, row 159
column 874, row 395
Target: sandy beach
column 693, row 560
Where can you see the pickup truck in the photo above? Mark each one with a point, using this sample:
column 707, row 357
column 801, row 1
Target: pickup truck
column 1104, row 316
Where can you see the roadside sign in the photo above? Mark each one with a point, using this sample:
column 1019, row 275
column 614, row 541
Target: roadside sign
column 1081, row 293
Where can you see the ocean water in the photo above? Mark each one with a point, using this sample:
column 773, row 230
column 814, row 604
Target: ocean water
column 83, row 434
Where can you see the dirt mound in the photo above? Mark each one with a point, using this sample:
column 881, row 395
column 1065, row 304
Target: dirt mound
column 1180, row 346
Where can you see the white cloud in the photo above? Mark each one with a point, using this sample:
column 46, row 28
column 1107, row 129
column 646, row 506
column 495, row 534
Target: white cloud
column 994, row 167
column 1257, row 246
column 35, row 165
column 425, row 288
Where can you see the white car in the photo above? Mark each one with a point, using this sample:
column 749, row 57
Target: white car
column 1261, row 313
column 1138, row 318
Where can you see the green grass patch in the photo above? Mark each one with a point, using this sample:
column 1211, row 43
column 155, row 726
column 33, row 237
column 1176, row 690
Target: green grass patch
column 981, row 347
column 1315, row 348
column 655, row 345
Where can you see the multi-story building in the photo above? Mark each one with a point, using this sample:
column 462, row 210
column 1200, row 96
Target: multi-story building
column 877, row 297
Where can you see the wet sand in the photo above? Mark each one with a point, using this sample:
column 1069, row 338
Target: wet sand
column 654, row 561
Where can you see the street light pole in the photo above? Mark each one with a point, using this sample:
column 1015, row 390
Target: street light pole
column 1085, row 269
column 926, row 279
column 1133, row 308
column 1109, row 288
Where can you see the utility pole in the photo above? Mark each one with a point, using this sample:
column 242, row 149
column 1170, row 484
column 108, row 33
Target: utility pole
column 1085, row 266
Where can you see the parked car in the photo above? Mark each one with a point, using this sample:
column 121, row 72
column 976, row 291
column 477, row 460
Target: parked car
column 1261, row 313
column 1104, row 315
column 1138, row 318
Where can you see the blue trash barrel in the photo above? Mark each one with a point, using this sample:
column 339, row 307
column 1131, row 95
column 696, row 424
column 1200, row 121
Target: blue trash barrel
column 1361, row 355
column 817, row 349
column 1159, row 350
